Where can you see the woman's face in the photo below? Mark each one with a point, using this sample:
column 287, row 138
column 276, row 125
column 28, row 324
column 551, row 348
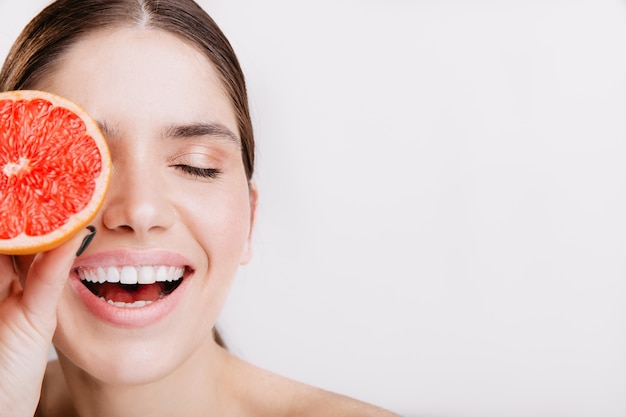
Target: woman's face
column 179, row 205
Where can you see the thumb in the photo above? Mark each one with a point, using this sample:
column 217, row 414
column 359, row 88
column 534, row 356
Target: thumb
column 47, row 276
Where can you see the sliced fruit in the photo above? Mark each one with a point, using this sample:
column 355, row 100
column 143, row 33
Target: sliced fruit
column 54, row 170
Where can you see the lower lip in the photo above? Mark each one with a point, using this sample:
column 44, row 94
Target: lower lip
column 128, row 317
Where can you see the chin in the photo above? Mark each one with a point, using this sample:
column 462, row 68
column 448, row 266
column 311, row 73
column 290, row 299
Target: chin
column 122, row 362
column 120, row 356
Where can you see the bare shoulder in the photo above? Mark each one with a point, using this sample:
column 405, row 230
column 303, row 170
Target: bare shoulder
column 55, row 400
column 315, row 402
column 250, row 391
column 274, row 395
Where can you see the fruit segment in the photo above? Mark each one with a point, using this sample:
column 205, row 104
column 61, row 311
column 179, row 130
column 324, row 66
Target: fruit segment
column 54, row 169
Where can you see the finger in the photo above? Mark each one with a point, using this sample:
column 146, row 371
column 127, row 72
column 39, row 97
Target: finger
column 7, row 276
column 47, row 276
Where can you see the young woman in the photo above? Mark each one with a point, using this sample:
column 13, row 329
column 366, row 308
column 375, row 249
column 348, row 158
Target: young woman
column 165, row 87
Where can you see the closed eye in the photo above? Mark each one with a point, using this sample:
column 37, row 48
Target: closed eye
column 199, row 172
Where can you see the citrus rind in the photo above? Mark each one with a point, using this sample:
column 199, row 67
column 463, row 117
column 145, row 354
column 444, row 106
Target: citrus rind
column 24, row 243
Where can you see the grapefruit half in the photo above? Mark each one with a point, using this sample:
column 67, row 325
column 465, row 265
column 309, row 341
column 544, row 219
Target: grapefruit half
column 54, row 171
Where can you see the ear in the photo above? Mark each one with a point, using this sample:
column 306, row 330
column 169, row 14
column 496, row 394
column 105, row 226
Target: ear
column 246, row 255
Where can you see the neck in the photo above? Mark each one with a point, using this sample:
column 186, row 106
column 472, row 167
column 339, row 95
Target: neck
column 197, row 387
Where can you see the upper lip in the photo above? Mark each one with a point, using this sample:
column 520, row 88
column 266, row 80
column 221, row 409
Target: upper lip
column 123, row 257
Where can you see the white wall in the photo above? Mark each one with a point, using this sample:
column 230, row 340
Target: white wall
column 442, row 227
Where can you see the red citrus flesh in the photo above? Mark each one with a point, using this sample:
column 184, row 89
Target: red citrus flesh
column 54, row 170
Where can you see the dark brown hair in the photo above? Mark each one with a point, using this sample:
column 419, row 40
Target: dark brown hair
column 43, row 41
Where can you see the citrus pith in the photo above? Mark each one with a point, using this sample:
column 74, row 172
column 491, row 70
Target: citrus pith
column 54, row 170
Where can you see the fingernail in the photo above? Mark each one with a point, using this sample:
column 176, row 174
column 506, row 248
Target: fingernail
column 87, row 240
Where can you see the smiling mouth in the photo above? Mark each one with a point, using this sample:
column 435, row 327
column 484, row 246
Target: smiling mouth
column 131, row 286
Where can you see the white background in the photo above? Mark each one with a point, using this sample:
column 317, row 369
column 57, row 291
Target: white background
column 442, row 228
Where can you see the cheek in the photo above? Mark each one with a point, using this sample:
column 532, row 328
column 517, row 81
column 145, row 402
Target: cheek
column 221, row 222
column 227, row 230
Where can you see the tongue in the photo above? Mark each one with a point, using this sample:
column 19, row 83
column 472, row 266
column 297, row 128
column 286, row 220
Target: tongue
column 131, row 293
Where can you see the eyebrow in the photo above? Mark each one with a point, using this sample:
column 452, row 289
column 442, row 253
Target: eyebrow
column 184, row 131
column 202, row 129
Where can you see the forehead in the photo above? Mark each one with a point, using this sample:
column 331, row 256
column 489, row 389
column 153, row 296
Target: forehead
column 141, row 74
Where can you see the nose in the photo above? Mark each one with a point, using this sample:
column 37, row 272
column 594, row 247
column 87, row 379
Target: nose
column 136, row 201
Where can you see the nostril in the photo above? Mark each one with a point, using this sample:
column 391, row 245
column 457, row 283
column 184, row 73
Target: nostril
column 138, row 211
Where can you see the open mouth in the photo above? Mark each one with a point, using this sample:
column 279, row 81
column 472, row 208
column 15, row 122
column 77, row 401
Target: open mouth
column 131, row 286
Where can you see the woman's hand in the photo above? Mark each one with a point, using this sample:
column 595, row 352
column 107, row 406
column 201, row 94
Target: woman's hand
column 28, row 321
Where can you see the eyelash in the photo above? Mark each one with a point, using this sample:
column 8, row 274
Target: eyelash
column 199, row 172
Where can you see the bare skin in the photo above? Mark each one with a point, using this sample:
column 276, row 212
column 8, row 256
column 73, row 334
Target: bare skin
column 263, row 394
column 167, row 122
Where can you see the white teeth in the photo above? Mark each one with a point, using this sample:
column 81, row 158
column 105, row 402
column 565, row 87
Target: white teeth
column 91, row 276
column 102, row 275
column 146, row 275
column 121, row 304
column 161, row 273
column 131, row 274
column 112, row 275
column 128, row 275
